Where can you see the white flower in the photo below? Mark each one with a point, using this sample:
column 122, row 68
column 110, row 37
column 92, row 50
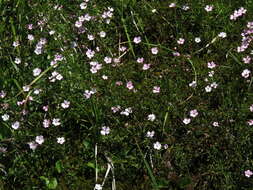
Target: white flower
column 211, row 65
column 65, row 104
column 5, row 117
column 90, row 53
column 30, row 37
column 98, row 187
column 146, row 67
column 32, row 145
column 60, row 140
column 90, row 37
column 105, row 130
column 154, row 50
column 137, row 40
column 157, row 146
column 150, row 134
column 215, row 124
column 36, row 72
column 83, row 5
column 208, row 88
column 248, row 173
column 56, row 122
column 26, row 88
column 194, row 113
column 15, row 125
column 156, row 89
column 197, row 40
column 222, row 35
column 186, row 121
column 151, row 117
column 246, row 73
column 180, row 41
column 39, row 139
column 193, row 84
column 17, row 60
column 107, row 60
column 102, row 34
column 208, row 8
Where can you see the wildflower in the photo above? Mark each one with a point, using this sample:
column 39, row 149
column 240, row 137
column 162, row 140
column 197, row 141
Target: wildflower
column 39, row 139
column 32, row 145
column 90, row 37
column 209, row 8
column 56, row 122
column 208, row 88
column 157, row 145
column 151, row 117
column 105, row 130
column 214, row 85
column 181, row 41
column 36, row 72
column 165, row 146
column 211, row 65
column 193, row 84
column 172, row 5
column 250, row 122
column 156, row 89
column 104, row 77
column 102, row 34
column 15, row 125
column 2, row 94
column 45, row 108
column 251, row 108
column 246, row 73
column 30, row 37
column 90, row 53
column 107, row 60
column 197, row 40
column 130, row 85
column 83, row 5
column 88, row 93
column 186, row 121
column 146, row 67
column 46, row 123
column 60, row 140
column 248, row 173
column 194, row 113
column 115, row 109
column 17, row 60
column 246, row 59
column 150, row 134
column 215, row 124
column 185, row 7
column 140, row 60
column 26, row 88
column 137, row 40
column 15, row 44
column 78, row 24
column 126, row 112
column 238, row 13
column 222, row 35
column 98, row 187
column 65, row 104
column 154, row 50
column 51, row 32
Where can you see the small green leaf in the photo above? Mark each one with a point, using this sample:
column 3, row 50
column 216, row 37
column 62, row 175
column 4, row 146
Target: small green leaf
column 58, row 166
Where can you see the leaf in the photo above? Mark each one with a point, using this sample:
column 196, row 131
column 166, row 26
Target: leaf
column 91, row 165
column 53, row 183
column 58, row 166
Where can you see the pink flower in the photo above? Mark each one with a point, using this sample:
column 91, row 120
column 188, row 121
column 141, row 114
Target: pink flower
column 211, row 65
column 154, row 50
column 194, row 113
column 146, row 67
column 156, row 89
column 248, row 173
column 246, row 73
column 130, row 85
column 181, row 41
column 137, row 40
column 209, row 8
